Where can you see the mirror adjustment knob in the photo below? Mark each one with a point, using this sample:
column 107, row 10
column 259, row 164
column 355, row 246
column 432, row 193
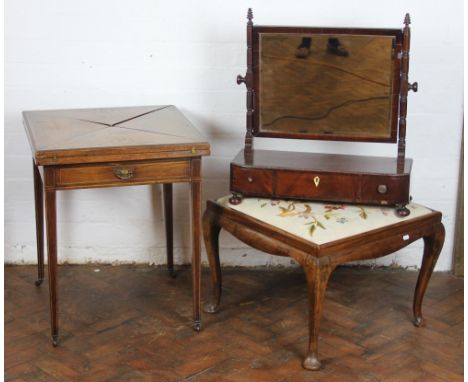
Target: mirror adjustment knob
column 240, row 80
column 382, row 189
column 413, row 86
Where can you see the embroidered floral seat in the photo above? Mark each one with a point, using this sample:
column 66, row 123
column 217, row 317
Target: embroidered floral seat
column 321, row 222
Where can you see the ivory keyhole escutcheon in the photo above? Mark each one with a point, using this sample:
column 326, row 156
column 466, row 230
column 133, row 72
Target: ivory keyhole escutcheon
column 316, row 181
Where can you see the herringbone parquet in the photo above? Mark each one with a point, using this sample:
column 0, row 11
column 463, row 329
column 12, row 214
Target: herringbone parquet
column 130, row 323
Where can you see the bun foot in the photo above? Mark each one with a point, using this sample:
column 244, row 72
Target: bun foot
column 235, row 199
column 418, row 322
column 55, row 339
column 211, row 307
column 311, row 362
column 402, row 211
column 196, row 326
column 38, row 282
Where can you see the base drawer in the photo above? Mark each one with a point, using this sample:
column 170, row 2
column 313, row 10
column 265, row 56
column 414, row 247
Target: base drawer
column 385, row 190
column 251, row 181
column 318, row 186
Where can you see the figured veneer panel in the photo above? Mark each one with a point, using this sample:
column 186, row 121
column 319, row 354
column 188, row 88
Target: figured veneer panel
column 255, row 182
column 319, row 186
column 396, row 189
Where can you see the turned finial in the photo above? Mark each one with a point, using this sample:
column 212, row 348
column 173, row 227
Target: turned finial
column 407, row 20
column 250, row 15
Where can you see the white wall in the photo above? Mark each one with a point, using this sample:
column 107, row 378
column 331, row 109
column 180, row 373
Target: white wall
column 70, row 54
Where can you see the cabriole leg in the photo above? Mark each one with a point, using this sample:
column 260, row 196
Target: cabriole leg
column 432, row 247
column 317, row 274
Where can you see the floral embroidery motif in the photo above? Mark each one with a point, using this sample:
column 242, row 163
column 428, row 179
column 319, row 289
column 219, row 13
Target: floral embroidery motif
column 290, row 211
column 329, row 208
column 321, row 222
column 362, row 213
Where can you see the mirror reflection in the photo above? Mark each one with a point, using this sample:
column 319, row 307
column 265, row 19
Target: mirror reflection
column 337, row 85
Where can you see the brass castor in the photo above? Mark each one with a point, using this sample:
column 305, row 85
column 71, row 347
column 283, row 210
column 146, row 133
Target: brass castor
column 418, row 322
column 55, row 339
column 311, row 362
column 196, row 326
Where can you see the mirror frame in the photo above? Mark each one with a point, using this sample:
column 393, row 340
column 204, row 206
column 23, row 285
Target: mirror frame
column 396, row 34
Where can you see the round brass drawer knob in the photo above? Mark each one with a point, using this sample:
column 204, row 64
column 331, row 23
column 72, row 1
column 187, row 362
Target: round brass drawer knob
column 382, row 189
column 250, row 179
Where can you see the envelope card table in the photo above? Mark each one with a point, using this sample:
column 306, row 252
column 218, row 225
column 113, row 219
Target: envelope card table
column 320, row 237
column 113, row 147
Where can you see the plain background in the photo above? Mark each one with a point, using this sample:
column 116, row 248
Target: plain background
column 74, row 54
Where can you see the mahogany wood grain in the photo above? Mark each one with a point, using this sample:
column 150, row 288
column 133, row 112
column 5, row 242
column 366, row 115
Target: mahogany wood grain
column 319, row 261
column 317, row 186
column 328, row 177
column 254, row 181
column 39, row 206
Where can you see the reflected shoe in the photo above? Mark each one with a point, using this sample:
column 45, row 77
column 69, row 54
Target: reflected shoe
column 335, row 47
column 303, row 50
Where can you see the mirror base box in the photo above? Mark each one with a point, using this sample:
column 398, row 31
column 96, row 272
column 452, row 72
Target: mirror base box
column 321, row 177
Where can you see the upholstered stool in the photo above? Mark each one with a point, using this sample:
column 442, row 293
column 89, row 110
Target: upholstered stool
column 320, row 237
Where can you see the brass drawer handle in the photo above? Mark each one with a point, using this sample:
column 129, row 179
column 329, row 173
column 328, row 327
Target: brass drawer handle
column 123, row 173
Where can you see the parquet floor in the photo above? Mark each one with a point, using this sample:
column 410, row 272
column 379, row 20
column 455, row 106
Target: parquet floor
column 131, row 323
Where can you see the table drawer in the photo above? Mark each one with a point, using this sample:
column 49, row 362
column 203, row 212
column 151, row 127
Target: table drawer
column 319, row 186
column 251, row 181
column 122, row 173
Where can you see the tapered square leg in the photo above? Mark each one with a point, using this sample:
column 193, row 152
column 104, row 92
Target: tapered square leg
column 39, row 207
column 196, row 247
column 211, row 230
column 167, row 191
column 51, row 226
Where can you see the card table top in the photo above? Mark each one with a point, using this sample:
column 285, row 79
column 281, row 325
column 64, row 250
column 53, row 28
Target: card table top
column 111, row 134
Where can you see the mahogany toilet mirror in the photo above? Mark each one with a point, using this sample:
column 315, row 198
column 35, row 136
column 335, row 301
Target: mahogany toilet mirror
column 340, row 84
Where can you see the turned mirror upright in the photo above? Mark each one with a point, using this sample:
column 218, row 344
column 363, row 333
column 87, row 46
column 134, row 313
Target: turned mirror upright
column 340, row 84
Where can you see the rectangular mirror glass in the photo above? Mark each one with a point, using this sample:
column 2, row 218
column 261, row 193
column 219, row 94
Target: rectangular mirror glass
column 328, row 86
